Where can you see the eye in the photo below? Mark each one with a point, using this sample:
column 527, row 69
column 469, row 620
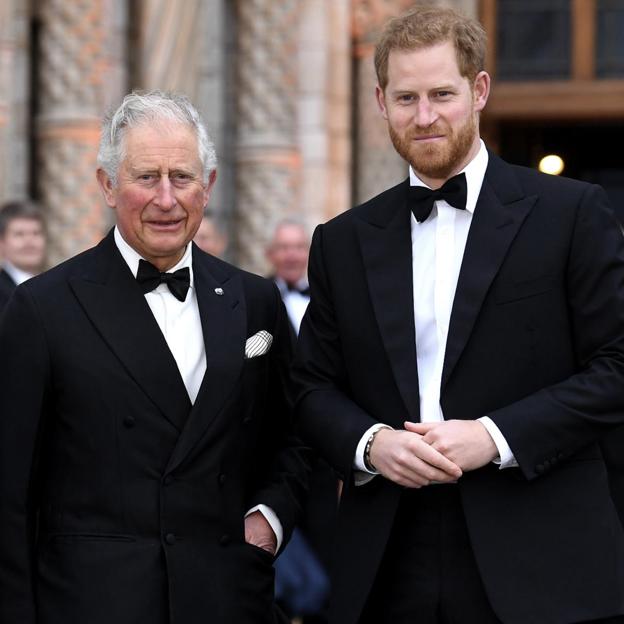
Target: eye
column 406, row 98
column 179, row 177
column 442, row 94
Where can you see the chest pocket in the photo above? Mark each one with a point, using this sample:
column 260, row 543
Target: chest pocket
column 518, row 290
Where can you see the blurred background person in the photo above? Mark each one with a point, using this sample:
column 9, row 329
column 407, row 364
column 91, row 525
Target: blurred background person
column 22, row 245
column 287, row 254
column 302, row 581
column 210, row 237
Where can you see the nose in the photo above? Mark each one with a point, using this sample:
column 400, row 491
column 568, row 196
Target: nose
column 425, row 114
column 165, row 197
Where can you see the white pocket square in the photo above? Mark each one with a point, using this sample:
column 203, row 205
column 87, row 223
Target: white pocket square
column 258, row 344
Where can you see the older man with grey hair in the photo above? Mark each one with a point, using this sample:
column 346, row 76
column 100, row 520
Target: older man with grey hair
column 147, row 467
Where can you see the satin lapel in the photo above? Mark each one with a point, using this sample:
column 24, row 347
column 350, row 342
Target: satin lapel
column 501, row 209
column 115, row 305
column 224, row 325
column 386, row 246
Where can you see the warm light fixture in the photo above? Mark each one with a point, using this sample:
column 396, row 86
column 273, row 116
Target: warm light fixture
column 552, row 164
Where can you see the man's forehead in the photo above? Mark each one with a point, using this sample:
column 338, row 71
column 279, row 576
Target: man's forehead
column 18, row 223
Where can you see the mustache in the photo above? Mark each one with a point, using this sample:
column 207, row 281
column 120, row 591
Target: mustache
column 429, row 131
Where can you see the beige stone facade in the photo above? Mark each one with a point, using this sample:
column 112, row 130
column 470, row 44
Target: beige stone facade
column 286, row 88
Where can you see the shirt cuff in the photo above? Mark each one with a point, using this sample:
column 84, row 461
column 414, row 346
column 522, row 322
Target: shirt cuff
column 362, row 473
column 271, row 517
column 505, row 457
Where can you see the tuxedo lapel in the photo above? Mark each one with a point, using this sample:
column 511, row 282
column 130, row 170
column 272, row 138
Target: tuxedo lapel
column 115, row 305
column 6, row 281
column 386, row 246
column 223, row 317
column 501, row 209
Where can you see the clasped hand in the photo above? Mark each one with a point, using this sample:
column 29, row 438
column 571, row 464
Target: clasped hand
column 425, row 453
column 258, row 532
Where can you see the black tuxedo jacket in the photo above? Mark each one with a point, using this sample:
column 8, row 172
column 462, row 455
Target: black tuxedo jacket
column 536, row 342
column 121, row 502
column 7, row 286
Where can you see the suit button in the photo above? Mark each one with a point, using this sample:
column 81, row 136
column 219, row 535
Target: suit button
column 170, row 538
column 222, row 479
column 246, row 420
column 546, row 464
column 224, row 540
column 540, row 469
column 129, row 422
column 168, row 480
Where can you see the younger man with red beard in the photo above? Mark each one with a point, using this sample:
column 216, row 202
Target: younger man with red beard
column 461, row 357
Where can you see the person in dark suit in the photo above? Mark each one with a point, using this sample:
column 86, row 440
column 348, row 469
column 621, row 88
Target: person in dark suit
column 460, row 359
column 22, row 245
column 287, row 254
column 301, row 579
column 147, row 467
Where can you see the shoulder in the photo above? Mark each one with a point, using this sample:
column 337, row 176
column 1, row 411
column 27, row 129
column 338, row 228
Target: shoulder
column 531, row 181
column 53, row 279
column 379, row 208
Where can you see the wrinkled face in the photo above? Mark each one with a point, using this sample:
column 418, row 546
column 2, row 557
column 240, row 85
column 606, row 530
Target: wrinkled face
column 288, row 253
column 23, row 244
column 160, row 194
column 432, row 110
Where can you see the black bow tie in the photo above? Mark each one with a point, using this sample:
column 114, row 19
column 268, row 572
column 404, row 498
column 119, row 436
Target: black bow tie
column 453, row 191
column 302, row 291
column 149, row 278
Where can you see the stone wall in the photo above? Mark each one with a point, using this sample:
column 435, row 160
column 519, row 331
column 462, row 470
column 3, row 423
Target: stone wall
column 286, row 88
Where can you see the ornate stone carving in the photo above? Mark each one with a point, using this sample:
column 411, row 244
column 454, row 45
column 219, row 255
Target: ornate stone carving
column 14, row 97
column 77, row 71
column 267, row 157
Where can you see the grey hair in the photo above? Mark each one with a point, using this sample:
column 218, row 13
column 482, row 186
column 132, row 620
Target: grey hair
column 291, row 221
column 138, row 108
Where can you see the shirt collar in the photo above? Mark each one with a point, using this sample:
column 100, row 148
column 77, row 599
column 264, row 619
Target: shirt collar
column 475, row 173
column 17, row 275
column 132, row 258
column 282, row 286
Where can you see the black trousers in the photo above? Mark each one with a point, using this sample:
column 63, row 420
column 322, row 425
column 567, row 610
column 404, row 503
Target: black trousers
column 429, row 574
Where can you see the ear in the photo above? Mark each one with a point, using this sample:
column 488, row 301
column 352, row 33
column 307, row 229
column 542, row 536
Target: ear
column 481, row 90
column 108, row 190
column 212, row 178
column 381, row 101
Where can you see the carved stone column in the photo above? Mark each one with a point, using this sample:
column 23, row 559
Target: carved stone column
column 377, row 165
column 79, row 75
column 267, row 159
column 14, row 97
column 324, row 109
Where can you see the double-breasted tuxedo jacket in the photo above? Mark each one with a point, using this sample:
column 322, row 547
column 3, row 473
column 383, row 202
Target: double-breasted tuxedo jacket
column 536, row 342
column 7, row 286
column 121, row 501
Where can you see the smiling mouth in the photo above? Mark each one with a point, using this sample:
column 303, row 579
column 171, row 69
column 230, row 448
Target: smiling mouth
column 165, row 225
column 428, row 137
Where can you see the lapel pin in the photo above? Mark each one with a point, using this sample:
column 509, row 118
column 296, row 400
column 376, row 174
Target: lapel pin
column 219, row 291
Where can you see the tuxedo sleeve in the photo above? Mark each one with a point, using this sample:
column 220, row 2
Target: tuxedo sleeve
column 327, row 418
column 24, row 380
column 283, row 471
column 555, row 422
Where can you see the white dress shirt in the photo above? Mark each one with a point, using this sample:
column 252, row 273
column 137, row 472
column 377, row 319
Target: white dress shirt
column 180, row 324
column 438, row 245
column 17, row 275
column 294, row 302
